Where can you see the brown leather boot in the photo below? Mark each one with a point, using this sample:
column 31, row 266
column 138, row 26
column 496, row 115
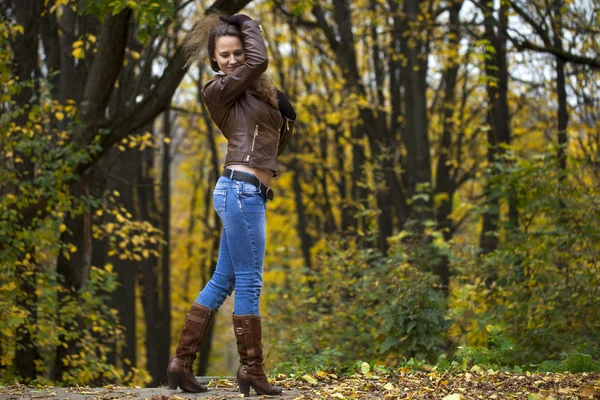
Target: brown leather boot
column 180, row 372
column 248, row 335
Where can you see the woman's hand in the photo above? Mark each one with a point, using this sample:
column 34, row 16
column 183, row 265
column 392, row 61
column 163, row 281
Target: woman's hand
column 285, row 107
column 236, row 19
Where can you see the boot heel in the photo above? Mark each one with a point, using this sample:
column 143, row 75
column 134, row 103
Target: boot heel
column 173, row 379
column 244, row 387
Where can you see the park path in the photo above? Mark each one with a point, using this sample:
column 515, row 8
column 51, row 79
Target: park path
column 221, row 389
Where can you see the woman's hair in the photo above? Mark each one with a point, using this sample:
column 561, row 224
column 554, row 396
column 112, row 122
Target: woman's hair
column 207, row 29
column 196, row 41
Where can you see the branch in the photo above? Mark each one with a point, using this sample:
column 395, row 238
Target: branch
column 106, row 66
column 560, row 53
column 155, row 102
column 299, row 21
column 523, row 43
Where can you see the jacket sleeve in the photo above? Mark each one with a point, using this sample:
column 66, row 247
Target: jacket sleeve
column 285, row 134
column 225, row 90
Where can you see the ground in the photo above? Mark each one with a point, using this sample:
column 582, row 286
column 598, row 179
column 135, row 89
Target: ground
column 323, row 385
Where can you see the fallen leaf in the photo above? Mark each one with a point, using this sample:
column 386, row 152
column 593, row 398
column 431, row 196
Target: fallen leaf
column 565, row 390
column 477, row 369
column 388, row 386
column 365, row 368
column 452, row 397
column 308, row 378
column 587, row 392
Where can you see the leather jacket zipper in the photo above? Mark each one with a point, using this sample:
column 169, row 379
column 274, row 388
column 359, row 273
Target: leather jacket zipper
column 255, row 136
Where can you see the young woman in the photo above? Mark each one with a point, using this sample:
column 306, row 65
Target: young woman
column 257, row 121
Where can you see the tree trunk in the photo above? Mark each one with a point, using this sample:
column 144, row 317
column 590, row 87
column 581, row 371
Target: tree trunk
column 498, row 118
column 25, row 55
column 121, row 174
column 163, row 350
column 149, row 267
column 73, row 271
column 563, row 115
column 415, row 135
column 444, row 183
column 306, row 241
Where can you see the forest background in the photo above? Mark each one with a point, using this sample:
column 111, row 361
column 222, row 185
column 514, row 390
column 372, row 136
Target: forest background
column 439, row 201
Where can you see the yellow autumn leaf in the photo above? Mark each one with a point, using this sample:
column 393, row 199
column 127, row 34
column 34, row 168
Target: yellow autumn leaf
column 109, row 268
column 365, row 368
column 308, row 378
column 134, row 54
column 59, row 116
column 78, row 53
column 62, row 228
column 452, row 397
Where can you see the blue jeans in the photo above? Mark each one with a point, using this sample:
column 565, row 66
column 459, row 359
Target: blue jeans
column 242, row 210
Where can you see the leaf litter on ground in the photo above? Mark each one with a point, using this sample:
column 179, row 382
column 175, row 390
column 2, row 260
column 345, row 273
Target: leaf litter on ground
column 396, row 384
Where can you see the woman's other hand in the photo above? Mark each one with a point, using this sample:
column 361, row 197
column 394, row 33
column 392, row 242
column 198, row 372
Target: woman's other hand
column 285, row 107
column 236, row 19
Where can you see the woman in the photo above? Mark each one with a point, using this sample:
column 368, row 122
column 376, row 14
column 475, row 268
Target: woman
column 257, row 121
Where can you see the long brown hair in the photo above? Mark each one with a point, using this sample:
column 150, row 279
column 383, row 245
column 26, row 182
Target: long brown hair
column 204, row 34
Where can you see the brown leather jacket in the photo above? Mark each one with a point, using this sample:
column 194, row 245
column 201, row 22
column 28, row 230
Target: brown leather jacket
column 256, row 131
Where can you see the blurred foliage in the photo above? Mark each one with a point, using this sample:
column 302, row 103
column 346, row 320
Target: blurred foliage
column 540, row 313
column 357, row 304
column 30, row 244
column 545, row 297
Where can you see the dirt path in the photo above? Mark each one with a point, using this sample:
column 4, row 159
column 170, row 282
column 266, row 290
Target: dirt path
column 219, row 390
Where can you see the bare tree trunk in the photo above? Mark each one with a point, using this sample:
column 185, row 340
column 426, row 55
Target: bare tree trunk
column 25, row 49
column 498, row 118
column 121, row 170
column 563, row 115
column 415, row 135
column 306, row 241
column 563, row 119
column 163, row 351
column 149, row 267
column 444, row 183
column 73, row 272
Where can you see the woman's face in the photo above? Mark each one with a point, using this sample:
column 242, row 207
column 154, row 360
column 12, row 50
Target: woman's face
column 229, row 53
